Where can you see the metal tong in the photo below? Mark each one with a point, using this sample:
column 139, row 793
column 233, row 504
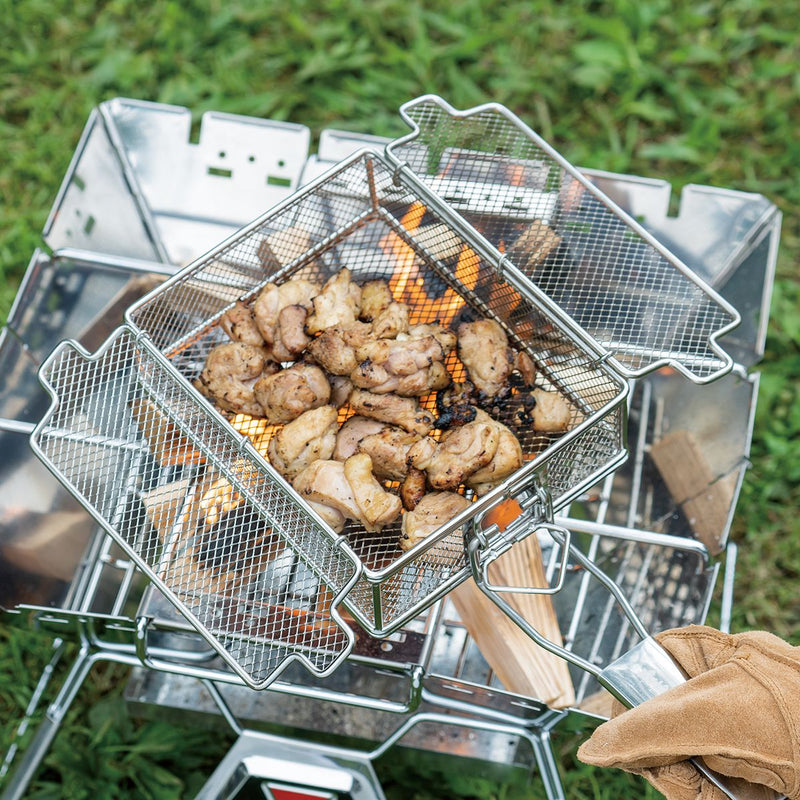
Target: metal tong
column 644, row 672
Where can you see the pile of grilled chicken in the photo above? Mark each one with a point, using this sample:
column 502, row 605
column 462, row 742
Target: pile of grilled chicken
column 351, row 348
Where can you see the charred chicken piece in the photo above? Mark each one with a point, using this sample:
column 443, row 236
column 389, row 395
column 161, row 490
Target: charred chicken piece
column 507, row 458
column 484, row 351
column 238, row 322
column 551, row 413
column 273, row 298
column 391, row 322
column 335, row 349
column 461, row 452
column 388, row 449
column 351, row 433
column 412, row 490
column 454, row 405
column 431, row 512
column 350, row 488
column 229, row 374
column 406, row 366
column 285, row 395
column 310, row 437
column 404, row 412
column 338, row 303
column 376, row 297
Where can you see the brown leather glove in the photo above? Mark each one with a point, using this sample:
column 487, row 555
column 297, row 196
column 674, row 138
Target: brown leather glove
column 739, row 710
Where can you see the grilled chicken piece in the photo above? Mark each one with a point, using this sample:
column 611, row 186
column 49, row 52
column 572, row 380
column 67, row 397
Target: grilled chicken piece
column 285, row 395
column 337, row 304
column 507, row 458
column 351, row 433
column 290, row 337
column 331, row 515
column 238, row 322
column 461, row 452
column 551, row 413
column 273, row 298
column 377, row 507
column 406, row 366
column 341, row 386
column 388, row 449
column 447, row 339
column 412, row 490
column 325, row 484
column 402, row 411
column 350, row 488
column 524, row 365
column 310, row 437
column 335, row 349
column 484, row 351
column 391, row 322
column 376, row 297
column 228, row 376
column 432, row 511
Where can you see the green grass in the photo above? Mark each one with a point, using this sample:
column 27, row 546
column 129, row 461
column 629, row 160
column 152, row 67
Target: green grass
column 695, row 92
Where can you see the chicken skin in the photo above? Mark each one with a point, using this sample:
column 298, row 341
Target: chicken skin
column 507, row 458
column 350, row 488
column 407, row 366
column 285, row 395
column 310, row 437
column 352, row 432
column 273, row 298
column 404, row 412
column 432, row 511
column 462, row 451
column 338, row 303
column 484, row 351
column 335, row 349
column 230, row 373
column 240, row 325
column 388, row 449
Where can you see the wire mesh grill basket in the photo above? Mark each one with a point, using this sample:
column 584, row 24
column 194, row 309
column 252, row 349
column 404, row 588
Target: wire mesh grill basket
column 121, row 423
column 632, row 295
column 360, row 217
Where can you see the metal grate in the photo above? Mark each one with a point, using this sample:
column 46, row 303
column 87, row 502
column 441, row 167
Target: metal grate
column 596, row 262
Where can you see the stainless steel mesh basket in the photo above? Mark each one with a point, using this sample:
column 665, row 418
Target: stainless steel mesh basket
column 624, row 288
column 379, row 227
column 124, row 417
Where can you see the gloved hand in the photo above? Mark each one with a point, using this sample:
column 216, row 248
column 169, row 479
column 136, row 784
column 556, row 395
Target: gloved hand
column 739, row 710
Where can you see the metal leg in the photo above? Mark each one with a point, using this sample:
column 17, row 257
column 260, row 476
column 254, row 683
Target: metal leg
column 35, row 752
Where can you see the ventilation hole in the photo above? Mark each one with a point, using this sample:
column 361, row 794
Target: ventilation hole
column 222, row 154
column 251, row 159
column 79, row 182
column 281, row 163
column 219, row 172
column 276, row 180
column 89, row 226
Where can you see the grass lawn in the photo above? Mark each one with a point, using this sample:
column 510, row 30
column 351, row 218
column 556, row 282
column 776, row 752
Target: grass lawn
column 693, row 92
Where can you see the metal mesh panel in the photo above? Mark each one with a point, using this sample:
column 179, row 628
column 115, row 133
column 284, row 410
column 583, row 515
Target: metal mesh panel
column 358, row 216
column 634, row 297
column 218, row 536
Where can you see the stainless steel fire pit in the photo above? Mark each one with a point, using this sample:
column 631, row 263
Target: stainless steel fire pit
column 425, row 668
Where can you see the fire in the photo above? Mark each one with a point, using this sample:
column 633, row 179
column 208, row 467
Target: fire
column 407, row 284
